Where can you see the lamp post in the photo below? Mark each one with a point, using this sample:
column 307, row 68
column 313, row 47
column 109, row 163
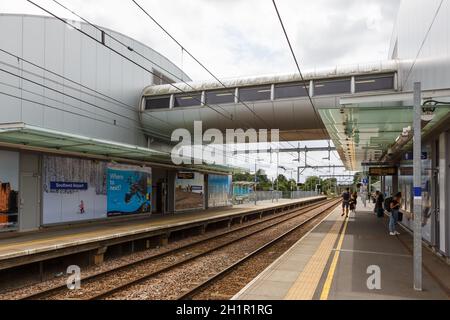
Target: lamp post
column 256, row 180
column 417, row 161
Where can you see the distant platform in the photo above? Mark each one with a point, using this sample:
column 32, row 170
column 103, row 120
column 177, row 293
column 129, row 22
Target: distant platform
column 336, row 259
column 24, row 248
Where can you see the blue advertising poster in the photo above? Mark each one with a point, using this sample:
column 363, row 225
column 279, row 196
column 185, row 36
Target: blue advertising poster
column 128, row 190
column 219, row 190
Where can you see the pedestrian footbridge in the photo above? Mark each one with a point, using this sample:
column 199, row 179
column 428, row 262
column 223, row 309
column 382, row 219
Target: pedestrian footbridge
column 264, row 102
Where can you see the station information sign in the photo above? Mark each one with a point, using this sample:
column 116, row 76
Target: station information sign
column 383, row 171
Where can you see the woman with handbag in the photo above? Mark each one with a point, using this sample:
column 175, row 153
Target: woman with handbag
column 395, row 208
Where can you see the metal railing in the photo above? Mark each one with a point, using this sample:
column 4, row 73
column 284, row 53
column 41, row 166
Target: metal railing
column 273, row 196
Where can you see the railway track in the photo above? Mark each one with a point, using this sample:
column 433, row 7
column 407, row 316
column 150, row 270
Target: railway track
column 200, row 287
column 122, row 278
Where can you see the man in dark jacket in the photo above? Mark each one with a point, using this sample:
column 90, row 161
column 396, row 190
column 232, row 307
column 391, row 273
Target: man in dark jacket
column 379, row 204
column 345, row 202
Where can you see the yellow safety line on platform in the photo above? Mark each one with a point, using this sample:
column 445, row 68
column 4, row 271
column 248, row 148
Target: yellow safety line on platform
column 330, row 276
column 306, row 284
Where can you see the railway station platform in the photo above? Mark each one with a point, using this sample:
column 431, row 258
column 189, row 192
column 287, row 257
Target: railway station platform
column 350, row 259
column 95, row 238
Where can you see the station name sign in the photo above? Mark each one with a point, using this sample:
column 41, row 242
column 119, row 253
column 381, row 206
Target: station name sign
column 56, row 185
column 383, row 171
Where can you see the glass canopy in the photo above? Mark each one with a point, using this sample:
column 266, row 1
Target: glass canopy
column 364, row 132
column 37, row 137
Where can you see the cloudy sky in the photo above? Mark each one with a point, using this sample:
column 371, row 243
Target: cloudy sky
column 243, row 37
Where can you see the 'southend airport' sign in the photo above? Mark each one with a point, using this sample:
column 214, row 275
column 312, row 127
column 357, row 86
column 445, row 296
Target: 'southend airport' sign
column 55, row 185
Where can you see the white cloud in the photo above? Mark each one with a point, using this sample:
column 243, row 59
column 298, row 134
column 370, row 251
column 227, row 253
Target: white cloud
column 237, row 38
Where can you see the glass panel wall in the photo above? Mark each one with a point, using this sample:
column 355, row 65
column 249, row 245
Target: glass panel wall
column 332, row 87
column 255, row 93
column 9, row 190
column 223, row 96
column 157, row 103
column 291, row 90
column 374, row 82
column 184, row 100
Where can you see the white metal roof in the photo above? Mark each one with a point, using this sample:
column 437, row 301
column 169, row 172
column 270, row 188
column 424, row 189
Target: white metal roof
column 336, row 72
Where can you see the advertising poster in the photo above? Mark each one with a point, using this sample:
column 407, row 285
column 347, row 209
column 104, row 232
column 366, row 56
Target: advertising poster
column 129, row 190
column 9, row 189
column 74, row 189
column 219, row 190
column 189, row 191
column 81, row 189
column 406, row 187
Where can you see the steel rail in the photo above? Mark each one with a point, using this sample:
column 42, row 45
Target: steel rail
column 50, row 291
column 188, row 295
column 182, row 262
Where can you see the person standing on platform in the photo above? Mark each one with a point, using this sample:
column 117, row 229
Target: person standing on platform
column 345, row 202
column 364, row 196
column 353, row 201
column 379, row 200
column 395, row 208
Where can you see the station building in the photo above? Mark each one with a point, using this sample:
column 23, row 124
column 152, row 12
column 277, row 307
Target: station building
column 72, row 144
column 365, row 109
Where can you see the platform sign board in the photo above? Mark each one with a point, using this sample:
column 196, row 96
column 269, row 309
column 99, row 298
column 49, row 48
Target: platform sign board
column 73, row 190
column 189, row 191
column 219, row 190
column 61, row 185
column 129, row 190
column 383, row 171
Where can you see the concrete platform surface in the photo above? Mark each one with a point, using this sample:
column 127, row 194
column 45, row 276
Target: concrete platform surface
column 18, row 244
column 352, row 258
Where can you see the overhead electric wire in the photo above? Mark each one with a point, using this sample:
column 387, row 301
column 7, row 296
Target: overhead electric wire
column 76, row 98
column 201, row 64
column 53, row 107
column 423, row 43
column 128, row 47
column 149, row 60
column 123, row 56
column 144, row 57
column 113, row 100
column 305, row 85
column 75, row 89
column 62, row 110
column 139, row 128
column 231, row 91
column 317, row 117
column 197, row 61
column 119, row 53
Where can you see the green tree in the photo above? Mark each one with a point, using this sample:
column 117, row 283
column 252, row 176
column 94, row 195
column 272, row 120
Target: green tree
column 311, row 182
column 328, row 186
